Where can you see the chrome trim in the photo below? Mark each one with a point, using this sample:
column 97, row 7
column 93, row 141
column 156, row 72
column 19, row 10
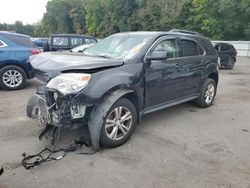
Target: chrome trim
column 4, row 44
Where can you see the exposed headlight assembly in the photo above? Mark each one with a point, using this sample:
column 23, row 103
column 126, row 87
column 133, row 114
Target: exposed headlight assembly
column 69, row 83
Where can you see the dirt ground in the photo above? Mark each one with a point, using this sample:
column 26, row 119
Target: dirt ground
column 183, row 146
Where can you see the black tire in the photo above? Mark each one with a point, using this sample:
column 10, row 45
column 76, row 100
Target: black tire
column 230, row 63
column 33, row 102
column 202, row 100
column 46, row 47
column 7, row 86
column 105, row 140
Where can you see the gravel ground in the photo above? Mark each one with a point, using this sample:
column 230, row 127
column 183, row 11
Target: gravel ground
column 183, row 146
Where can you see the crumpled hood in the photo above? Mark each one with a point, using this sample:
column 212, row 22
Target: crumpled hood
column 60, row 61
column 50, row 64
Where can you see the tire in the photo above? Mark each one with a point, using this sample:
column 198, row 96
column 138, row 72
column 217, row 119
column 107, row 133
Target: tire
column 33, row 103
column 118, row 130
column 230, row 63
column 208, row 94
column 46, row 47
column 16, row 82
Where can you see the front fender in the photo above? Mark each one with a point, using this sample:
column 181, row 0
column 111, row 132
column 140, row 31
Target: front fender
column 105, row 82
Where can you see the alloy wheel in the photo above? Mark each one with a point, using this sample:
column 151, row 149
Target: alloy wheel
column 118, row 123
column 209, row 94
column 12, row 78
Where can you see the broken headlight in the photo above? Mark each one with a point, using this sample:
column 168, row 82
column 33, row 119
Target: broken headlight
column 69, row 83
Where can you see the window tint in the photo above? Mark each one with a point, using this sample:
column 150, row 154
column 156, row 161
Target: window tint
column 76, row 41
column 60, row 41
column 89, row 41
column 21, row 40
column 190, row 48
column 225, row 47
column 170, row 47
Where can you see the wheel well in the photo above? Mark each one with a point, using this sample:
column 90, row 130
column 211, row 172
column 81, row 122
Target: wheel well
column 134, row 99
column 16, row 66
column 215, row 77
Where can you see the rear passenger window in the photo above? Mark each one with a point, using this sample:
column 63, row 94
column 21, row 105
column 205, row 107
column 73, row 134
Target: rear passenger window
column 76, row 41
column 170, row 47
column 1, row 44
column 190, row 48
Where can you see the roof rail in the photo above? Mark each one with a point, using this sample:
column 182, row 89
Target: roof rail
column 185, row 31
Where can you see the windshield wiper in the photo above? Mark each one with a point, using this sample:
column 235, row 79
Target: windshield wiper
column 104, row 56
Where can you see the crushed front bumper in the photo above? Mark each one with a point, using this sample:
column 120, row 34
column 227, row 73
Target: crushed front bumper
column 52, row 109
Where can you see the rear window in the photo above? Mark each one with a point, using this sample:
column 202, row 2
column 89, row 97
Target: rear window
column 60, row 41
column 21, row 40
column 190, row 48
column 225, row 47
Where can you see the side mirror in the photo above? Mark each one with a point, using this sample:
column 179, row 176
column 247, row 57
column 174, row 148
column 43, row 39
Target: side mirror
column 157, row 55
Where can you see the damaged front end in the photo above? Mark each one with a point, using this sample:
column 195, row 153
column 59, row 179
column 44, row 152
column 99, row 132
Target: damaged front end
column 52, row 109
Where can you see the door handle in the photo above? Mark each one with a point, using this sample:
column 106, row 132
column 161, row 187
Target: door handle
column 177, row 65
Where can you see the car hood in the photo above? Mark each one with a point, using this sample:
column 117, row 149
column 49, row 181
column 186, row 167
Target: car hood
column 68, row 60
column 50, row 64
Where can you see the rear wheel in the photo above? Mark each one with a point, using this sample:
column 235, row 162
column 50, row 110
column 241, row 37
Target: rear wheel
column 208, row 94
column 230, row 63
column 119, row 123
column 12, row 78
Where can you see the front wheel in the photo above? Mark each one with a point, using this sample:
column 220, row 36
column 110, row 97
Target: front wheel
column 208, row 94
column 119, row 123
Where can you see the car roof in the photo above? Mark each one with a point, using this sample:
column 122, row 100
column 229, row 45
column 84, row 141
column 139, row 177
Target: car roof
column 12, row 33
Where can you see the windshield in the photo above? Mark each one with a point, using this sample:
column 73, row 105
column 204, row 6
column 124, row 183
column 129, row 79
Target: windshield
column 119, row 46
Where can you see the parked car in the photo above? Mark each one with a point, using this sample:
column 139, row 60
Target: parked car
column 59, row 42
column 116, row 81
column 39, row 42
column 227, row 55
column 15, row 68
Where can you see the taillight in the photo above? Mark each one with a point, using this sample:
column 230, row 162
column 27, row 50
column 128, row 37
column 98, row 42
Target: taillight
column 35, row 51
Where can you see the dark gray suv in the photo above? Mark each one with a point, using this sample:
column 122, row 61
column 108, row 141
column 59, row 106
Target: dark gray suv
column 126, row 75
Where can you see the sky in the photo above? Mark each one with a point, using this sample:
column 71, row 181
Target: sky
column 27, row 11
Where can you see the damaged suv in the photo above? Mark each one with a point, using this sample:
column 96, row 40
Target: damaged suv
column 126, row 75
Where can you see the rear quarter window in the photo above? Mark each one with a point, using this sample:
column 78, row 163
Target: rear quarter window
column 20, row 40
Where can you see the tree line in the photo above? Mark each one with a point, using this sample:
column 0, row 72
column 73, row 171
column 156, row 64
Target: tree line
column 219, row 20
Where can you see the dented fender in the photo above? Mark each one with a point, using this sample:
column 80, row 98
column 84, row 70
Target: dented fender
column 98, row 114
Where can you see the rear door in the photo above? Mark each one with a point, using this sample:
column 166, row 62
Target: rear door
column 4, row 51
column 191, row 66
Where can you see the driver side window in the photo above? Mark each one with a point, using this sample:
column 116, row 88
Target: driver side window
column 169, row 46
